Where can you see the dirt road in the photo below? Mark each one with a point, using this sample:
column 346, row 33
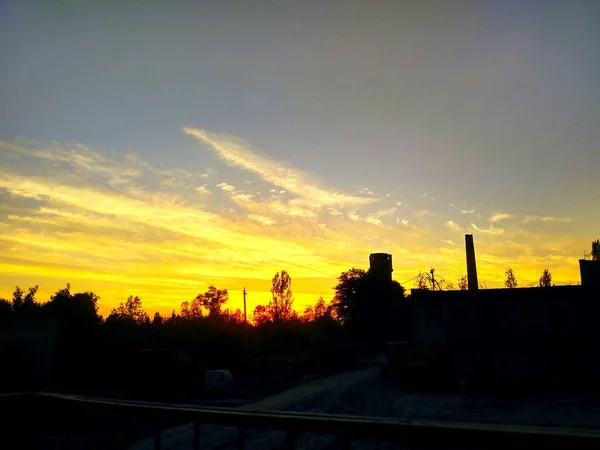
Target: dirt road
column 361, row 393
column 324, row 395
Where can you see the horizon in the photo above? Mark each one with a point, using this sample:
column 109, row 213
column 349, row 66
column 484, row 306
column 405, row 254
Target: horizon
column 156, row 152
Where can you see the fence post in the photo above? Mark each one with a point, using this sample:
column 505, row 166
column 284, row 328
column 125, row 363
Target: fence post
column 196, row 431
column 240, row 438
column 290, row 440
column 157, row 435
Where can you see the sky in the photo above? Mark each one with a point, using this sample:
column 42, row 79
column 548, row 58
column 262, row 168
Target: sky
column 155, row 148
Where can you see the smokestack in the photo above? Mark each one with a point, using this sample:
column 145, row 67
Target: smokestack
column 471, row 265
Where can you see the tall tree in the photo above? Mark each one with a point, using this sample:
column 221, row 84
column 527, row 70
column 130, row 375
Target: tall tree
column 367, row 305
column 213, row 300
column 280, row 308
column 131, row 311
column 511, row 279
column 546, row 279
column 185, row 310
column 320, row 309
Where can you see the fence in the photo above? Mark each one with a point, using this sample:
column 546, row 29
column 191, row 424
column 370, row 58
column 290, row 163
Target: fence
column 40, row 413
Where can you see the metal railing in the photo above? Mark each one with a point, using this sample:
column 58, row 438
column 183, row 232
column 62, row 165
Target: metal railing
column 413, row 434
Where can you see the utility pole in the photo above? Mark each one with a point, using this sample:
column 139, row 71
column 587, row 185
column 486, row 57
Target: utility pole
column 245, row 327
column 245, row 317
column 432, row 279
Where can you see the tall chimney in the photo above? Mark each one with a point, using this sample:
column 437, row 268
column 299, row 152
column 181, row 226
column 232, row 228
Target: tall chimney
column 471, row 265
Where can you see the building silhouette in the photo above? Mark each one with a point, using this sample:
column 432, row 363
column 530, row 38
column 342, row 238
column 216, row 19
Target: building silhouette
column 380, row 264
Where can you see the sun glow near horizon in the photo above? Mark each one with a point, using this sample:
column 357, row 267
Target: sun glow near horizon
column 116, row 224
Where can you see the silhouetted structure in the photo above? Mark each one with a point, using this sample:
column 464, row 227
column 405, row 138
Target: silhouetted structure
column 471, row 264
column 590, row 272
column 509, row 336
column 380, row 264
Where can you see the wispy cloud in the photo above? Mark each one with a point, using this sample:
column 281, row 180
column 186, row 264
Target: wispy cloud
column 262, row 219
column 452, row 225
column 490, row 230
column 235, row 152
column 547, row 219
column 499, row 217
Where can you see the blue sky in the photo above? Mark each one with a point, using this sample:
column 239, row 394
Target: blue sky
column 436, row 106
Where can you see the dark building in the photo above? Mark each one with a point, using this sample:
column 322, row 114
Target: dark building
column 590, row 272
column 381, row 265
column 509, row 336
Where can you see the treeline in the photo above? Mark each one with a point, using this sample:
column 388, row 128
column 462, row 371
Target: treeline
column 122, row 354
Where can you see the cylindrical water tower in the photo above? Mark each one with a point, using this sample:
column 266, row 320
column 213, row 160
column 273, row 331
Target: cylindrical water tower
column 381, row 265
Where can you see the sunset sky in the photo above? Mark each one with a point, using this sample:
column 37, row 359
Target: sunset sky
column 156, row 147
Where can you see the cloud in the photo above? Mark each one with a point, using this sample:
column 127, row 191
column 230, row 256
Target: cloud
column 546, row 219
column 499, row 217
column 467, row 211
column 262, row 219
column 202, row 190
column 452, row 225
column 373, row 220
column 491, row 230
column 236, row 153
column 226, row 187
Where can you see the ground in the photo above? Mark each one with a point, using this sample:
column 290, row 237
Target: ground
column 362, row 393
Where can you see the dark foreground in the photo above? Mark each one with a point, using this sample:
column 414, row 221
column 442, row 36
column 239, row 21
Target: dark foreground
column 358, row 394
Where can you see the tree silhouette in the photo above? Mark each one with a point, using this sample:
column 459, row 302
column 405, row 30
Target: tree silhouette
column 132, row 311
column 6, row 310
column 280, row 308
column 25, row 304
column 463, row 283
column 511, row 280
column 261, row 316
column 316, row 312
column 157, row 319
column 546, row 279
column 196, row 308
column 234, row 317
column 309, row 314
column 320, row 309
column 212, row 300
column 595, row 253
column 80, row 309
column 366, row 304
column 423, row 281
column 185, row 310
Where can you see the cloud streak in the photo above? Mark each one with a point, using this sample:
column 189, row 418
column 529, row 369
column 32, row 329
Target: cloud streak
column 235, row 152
